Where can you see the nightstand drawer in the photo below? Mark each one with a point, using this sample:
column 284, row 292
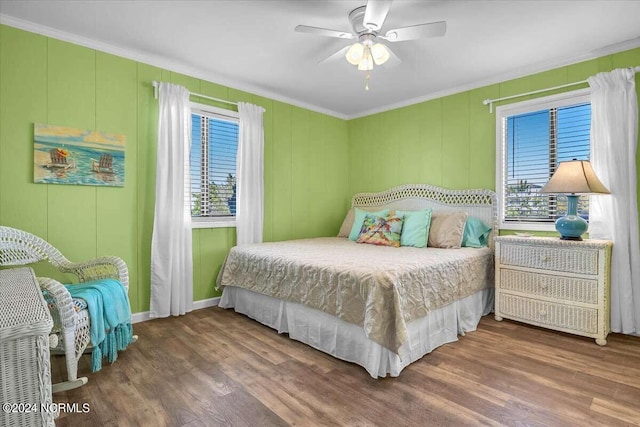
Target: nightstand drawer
column 554, row 315
column 582, row 261
column 556, row 287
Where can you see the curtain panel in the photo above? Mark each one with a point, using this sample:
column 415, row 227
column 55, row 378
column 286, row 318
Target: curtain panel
column 614, row 140
column 171, row 251
column 250, row 175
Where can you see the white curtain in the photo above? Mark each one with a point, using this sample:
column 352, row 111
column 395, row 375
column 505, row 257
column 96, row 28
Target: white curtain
column 614, row 139
column 250, row 171
column 171, row 258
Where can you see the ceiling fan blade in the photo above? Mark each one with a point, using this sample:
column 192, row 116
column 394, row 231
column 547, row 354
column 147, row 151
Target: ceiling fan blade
column 432, row 29
column 323, row 32
column 339, row 55
column 393, row 59
column 375, row 14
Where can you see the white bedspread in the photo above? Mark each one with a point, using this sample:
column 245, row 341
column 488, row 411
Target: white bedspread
column 381, row 289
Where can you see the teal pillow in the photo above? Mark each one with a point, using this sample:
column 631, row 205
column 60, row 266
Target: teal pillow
column 476, row 233
column 415, row 230
column 358, row 219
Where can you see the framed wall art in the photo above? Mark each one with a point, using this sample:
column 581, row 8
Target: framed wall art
column 65, row 155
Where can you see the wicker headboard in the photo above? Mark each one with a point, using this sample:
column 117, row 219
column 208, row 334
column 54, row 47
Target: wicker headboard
column 478, row 203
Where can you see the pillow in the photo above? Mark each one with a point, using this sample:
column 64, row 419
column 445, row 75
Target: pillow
column 415, row 228
column 358, row 219
column 476, row 233
column 345, row 229
column 447, row 229
column 381, row 230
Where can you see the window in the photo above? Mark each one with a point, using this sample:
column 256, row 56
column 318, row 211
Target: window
column 533, row 137
column 214, row 144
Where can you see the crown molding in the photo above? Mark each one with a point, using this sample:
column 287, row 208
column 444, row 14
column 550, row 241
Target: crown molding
column 515, row 74
column 160, row 62
column 175, row 66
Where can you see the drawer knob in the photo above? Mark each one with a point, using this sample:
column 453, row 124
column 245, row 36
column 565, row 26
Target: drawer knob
column 542, row 312
column 544, row 286
column 544, row 258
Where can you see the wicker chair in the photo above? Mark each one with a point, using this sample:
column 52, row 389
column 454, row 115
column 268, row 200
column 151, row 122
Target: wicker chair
column 72, row 327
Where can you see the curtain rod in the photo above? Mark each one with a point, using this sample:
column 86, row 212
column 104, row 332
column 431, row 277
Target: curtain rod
column 491, row 101
column 155, row 85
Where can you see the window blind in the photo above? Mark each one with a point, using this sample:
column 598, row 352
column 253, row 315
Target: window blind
column 536, row 142
column 214, row 145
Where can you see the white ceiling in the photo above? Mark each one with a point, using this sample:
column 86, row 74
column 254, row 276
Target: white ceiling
column 251, row 45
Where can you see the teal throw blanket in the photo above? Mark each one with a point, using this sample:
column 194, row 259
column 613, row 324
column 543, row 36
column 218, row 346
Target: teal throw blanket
column 110, row 316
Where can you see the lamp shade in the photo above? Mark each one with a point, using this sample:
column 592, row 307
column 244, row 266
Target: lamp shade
column 577, row 177
column 380, row 53
column 355, row 53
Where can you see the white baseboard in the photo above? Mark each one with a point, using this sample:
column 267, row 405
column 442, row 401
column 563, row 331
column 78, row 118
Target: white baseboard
column 197, row 305
column 204, row 303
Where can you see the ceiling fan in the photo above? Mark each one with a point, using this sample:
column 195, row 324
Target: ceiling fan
column 367, row 22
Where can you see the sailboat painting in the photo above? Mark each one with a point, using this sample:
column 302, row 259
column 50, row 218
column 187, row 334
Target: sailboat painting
column 65, row 155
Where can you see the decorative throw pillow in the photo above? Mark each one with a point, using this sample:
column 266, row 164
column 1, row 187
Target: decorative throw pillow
column 476, row 233
column 358, row 219
column 381, row 230
column 347, row 224
column 415, row 228
column 447, row 229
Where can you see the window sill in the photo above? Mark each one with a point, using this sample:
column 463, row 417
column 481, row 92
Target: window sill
column 528, row 226
column 213, row 223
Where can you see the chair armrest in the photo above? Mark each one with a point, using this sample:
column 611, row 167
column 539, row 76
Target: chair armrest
column 107, row 267
column 62, row 300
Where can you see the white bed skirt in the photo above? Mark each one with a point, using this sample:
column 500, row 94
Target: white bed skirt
column 347, row 341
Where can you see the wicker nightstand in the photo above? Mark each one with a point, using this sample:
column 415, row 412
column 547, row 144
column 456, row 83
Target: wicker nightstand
column 553, row 283
column 25, row 323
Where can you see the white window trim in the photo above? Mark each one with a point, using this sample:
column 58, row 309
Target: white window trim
column 552, row 101
column 222, row 222
column 213, row 222
column 210, row 109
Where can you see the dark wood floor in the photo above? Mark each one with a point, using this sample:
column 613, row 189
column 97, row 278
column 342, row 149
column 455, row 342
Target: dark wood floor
column 215, row 367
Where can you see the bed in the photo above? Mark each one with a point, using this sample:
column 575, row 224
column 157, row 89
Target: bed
column 379, row 307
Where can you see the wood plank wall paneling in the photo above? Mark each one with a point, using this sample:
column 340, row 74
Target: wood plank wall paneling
column 409, row 122
column 116, row 208
column 455, row 137
column 21, row 62
column 430, row 142
column 481, row 154
column 43, row 80
column 313, row 163
column 451, row 141
column 71, row 101
column 282, row 176
column 145, row 172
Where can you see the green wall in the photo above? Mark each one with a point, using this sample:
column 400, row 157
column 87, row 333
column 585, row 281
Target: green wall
column 450, row 141
column 49, row 81
column 314, row 163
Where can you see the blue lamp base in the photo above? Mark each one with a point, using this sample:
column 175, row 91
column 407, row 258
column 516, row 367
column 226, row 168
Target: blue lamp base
column 571, row 226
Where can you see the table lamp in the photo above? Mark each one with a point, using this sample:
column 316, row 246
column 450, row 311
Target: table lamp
column 573, row 178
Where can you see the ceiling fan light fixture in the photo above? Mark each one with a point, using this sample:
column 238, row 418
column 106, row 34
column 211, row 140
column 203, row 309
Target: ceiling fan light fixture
column 380, row 53
column 355, row 54
column 367, row 23
column 366, row 63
